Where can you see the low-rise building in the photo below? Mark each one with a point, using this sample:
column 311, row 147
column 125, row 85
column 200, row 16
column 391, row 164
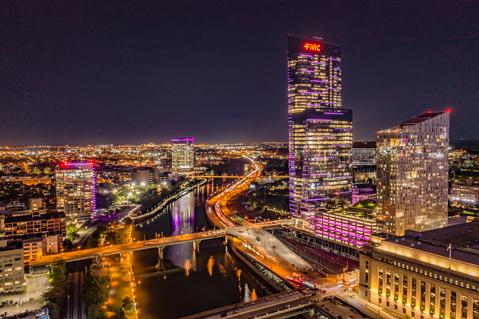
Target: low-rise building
column 362, row 192
column 350, row 226
column 32, row 248
column 144, row 176
column 464, row 195
column 430, row 274
column 12, row 275
column 364, row 153
column 35, row 247
column 40, row 231
column 364, row 162
column 22, row 223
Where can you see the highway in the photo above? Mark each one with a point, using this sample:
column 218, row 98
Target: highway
column 268, row 251
column 256, row 242
column 82, row 254
column 218, row 211
column 75, row 309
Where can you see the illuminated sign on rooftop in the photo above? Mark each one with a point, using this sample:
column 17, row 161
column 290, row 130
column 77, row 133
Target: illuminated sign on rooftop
column 183, row 140
column 72, row 165
column 309, row 46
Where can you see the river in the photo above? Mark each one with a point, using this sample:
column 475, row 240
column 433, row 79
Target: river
column 190, row 282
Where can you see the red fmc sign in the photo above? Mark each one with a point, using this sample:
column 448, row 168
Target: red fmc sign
column 311, row 46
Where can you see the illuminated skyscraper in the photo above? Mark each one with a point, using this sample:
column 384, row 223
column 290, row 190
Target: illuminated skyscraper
column 412, row 171
column 76, row 189
column 320, row 130
column 182, row 155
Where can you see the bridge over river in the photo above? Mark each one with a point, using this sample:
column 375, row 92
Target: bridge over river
column 158, row 243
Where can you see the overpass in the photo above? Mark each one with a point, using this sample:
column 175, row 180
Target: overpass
column 282, row 305
column 159, row 243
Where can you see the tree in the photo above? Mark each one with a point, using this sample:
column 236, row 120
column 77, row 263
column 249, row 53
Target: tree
column 72, row 232
column 55, row 297
column 58, row 274
column 120, row 314
column 67, row 244
column 53, row 310
column 96, row 293
column 127, row 303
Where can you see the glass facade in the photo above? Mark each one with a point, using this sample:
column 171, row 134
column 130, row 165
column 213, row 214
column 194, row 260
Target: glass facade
column 320, row 130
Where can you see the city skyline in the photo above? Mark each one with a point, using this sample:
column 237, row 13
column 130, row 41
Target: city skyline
column 72, row 60
column 239, row 159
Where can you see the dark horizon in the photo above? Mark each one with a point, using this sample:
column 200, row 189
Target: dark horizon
column 105, row 72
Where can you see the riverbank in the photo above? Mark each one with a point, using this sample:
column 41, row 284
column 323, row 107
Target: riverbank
column 195, row 281
column 122, row 299
column 160, row 207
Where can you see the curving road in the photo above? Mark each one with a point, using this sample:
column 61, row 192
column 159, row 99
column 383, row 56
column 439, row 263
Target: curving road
column 258, row 243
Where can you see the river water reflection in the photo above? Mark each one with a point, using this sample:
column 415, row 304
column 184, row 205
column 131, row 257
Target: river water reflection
column 189, row 282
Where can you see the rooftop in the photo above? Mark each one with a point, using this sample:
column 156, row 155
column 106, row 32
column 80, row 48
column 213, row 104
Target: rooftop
column 183, row 140
column 364, row 144
column 10, row 245
column 463, row 238
column 464, row 235
column 356, row 212
column 28, row 215
column 421, row 118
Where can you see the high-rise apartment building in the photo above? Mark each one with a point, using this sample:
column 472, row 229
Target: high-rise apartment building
column 465, row 194
column 76, row 189
column 412, row 172
column 320, row 130
column 182, row 155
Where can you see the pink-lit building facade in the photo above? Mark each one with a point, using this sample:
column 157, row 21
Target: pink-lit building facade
column 319, row 129
column 350, row 226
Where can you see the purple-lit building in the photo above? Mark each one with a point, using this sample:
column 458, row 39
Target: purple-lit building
column 350, row 226
column 75, row 184
column 320, row 130
column 183, row 155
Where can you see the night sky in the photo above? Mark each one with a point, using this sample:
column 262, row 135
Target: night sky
column 137, row 71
